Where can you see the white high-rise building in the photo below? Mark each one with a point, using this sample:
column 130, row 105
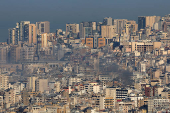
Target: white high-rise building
column 21, row 25
column 94, row 25
column 12, row 39
column 72, row 28
column 43, row 27
column 120, row 25
column 108, row 21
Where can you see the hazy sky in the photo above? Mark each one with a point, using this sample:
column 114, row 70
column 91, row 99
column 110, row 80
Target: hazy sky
column 60, row 12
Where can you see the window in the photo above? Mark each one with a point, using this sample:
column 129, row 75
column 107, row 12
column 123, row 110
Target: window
column 42, row 29
column 42, row 25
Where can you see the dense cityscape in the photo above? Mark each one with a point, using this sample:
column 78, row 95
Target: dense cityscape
column 113, row 66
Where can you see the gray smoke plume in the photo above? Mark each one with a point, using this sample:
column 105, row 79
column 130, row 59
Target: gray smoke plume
column 124, row 76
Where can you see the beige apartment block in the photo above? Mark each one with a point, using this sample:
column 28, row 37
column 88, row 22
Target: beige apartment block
column 4, row 81
column 43, row 27
column 143, row 46
column 44, row 40
column 108, row 31
column 74, row 28
column 32, row 34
